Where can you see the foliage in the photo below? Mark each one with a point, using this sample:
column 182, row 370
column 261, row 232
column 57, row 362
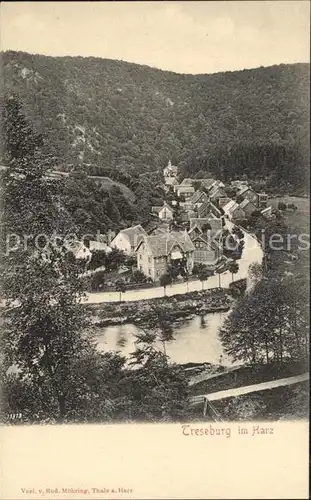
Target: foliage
column 165, row 280
column 43, row 321
column 233, row 268
column 103, row 115
column 282, row 206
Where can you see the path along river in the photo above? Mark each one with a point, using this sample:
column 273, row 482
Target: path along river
column 195, row 340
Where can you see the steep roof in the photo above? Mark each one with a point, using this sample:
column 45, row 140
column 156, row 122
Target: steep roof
column 244, row 189
column 187, row 182
column 231, row 206
column 158, row 209
column 205, row 182
column 216, row 224
column 185, row 189
column 195, row 198
column 246, row 202
column 171, row 181
column 206, row 238
column 133, row 233
column 215, row 189
column 161, row 244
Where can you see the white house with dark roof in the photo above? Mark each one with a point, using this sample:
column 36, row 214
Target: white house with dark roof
column 156, row 253
column 126, row 240
column 184, row 191
column 165, row 212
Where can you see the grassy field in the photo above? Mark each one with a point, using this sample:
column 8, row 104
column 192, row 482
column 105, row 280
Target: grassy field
column 300, row 218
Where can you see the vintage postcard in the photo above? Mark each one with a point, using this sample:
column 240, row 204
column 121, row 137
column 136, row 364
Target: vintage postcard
column 154, row 250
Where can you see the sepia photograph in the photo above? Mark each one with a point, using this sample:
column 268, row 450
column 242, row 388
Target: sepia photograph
column 154, row 203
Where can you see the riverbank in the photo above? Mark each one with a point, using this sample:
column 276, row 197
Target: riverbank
column 177, row 307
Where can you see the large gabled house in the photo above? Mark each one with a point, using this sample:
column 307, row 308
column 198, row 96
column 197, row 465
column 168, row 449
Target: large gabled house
column 206, row 183
column 126, row 240
column 184, row 191
column 248, row 207
column 156, row 253
column 250, row 194
column 207, row 250
column 233, row 210
column 165, row 212
column 200, row 224
column 217, row 192
column 198, row 198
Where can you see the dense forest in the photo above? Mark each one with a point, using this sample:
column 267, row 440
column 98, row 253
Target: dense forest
column 129, row 119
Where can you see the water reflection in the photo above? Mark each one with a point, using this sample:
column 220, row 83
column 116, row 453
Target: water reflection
column 195, row 340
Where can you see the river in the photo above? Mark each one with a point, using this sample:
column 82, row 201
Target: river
column 195, row 340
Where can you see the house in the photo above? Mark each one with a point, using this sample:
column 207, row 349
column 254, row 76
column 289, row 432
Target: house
column 165, row 212
column 262, row 200
column 156, row 253
column 204, row 210
column 217, row 192
column 170, row 182
column 96, row 245
column 233, row 210
column 126, row 240
column 206, row 250
column 215, row 184
column 184, row 191
column 79, row 250
column 223, row 200
column 208, row 209
column 215, row 226
column 187, row 206
column 248, row 207
column 239, row 184
column 204, row 182
column 170, row 170
column 267, row 213
column 198, row 198
column 250, row 194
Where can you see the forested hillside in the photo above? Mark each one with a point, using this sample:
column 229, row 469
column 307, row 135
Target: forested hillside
column 110, row 115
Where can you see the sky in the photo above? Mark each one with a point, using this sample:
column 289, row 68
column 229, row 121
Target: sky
column 185, row 37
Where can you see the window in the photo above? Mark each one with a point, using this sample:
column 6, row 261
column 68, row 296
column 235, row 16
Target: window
column 149, row 272
column 149, row 259
column 140, row 256
column 141, row 268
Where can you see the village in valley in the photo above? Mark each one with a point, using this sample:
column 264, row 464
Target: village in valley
column 193, row 234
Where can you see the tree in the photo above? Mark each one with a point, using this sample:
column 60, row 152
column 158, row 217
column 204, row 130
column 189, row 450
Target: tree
column 219, row 271
column 43, row 320
column 139, row 277
column 203, row 275
column 165, row 280
column 269, row 324
column 233, row 268
column 121, row 288
column 282, row 206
